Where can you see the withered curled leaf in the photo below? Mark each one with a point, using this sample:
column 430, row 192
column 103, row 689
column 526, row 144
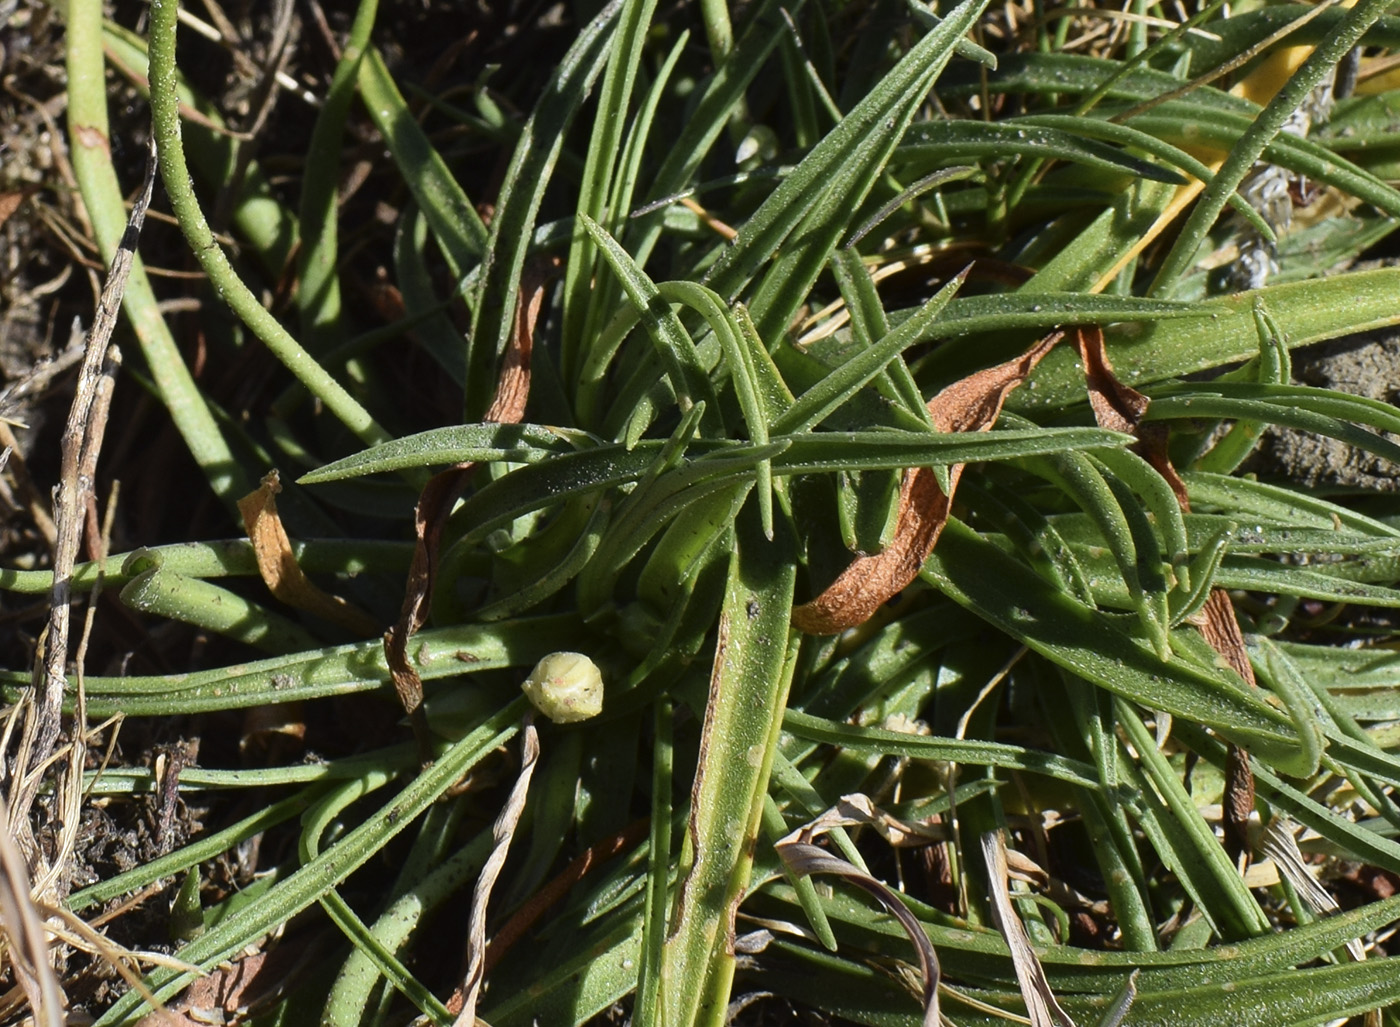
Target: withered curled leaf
column 277, row 563
column 971, row 404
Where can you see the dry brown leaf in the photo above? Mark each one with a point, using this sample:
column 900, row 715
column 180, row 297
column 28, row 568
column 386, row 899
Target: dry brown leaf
column 1116, row 406
column 9, row 203
column 25, row 945
column 972, row 404
column 279, row 568
column 213, row 998
column 856, row 810
column 502, row 832
column 441, row 493
column 803, row 858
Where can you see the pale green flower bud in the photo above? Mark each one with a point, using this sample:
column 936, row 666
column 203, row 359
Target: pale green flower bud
column 566, row 687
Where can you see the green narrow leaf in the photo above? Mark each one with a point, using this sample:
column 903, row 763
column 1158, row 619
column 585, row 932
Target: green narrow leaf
column 842, row 383
column 1011, row 597
column 673, row 343
column 753, row 667
column 517, row 207
column 451, row 215
column 707, row 303
column 604, row 152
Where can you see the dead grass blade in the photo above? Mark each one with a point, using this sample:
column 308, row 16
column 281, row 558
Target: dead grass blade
column 804, row 858
column 1041, row 1004
column 81, row 435
column 1115, row 1014
column 971, row 404
column 279, row 568
column 1279, row 845
column 502, row 833
column 26, row 944
column 441, row 493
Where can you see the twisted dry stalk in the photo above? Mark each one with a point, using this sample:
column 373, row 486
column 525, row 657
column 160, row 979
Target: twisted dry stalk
column 32, row 879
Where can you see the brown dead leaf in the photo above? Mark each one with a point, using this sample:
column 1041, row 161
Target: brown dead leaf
column 804, row 859
column 972, row 404
column 22, row 933
column 442, row 491
column 279, row 568
column 1152, row 447
column 213, row 998
column 502, row 832
column 1222, row 631
column 9, row 203
column 1116, row 406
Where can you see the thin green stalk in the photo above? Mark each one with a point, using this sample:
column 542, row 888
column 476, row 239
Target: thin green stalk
column 1236, row 909
column 318, row 297
column 647, row 1010
column 267, row 228
column 719, row 30
column 221, row 558
column 366, row 942
column 165, row 118
column 328, row 869
column 354, row 985
column 191, row 855
column 88, row 133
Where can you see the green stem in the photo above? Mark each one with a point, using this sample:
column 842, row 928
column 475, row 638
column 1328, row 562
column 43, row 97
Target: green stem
column 97, row 182
column 319, row 294
column 367, row 943
column 165, row 117
column 316, row 878
column 268, row 230
column 355, row 983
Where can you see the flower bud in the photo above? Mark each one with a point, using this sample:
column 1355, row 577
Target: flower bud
column 565, row 687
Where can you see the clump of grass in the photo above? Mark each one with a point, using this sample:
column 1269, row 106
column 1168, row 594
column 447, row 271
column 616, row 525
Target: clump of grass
column 862, row 552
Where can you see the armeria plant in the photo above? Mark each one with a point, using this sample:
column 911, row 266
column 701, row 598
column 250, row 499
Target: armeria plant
column 863, row 390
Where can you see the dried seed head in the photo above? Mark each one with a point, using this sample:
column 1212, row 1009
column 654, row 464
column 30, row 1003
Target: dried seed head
column 566, row 687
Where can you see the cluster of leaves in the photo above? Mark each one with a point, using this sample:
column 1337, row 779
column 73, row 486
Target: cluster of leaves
column 719, row 419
